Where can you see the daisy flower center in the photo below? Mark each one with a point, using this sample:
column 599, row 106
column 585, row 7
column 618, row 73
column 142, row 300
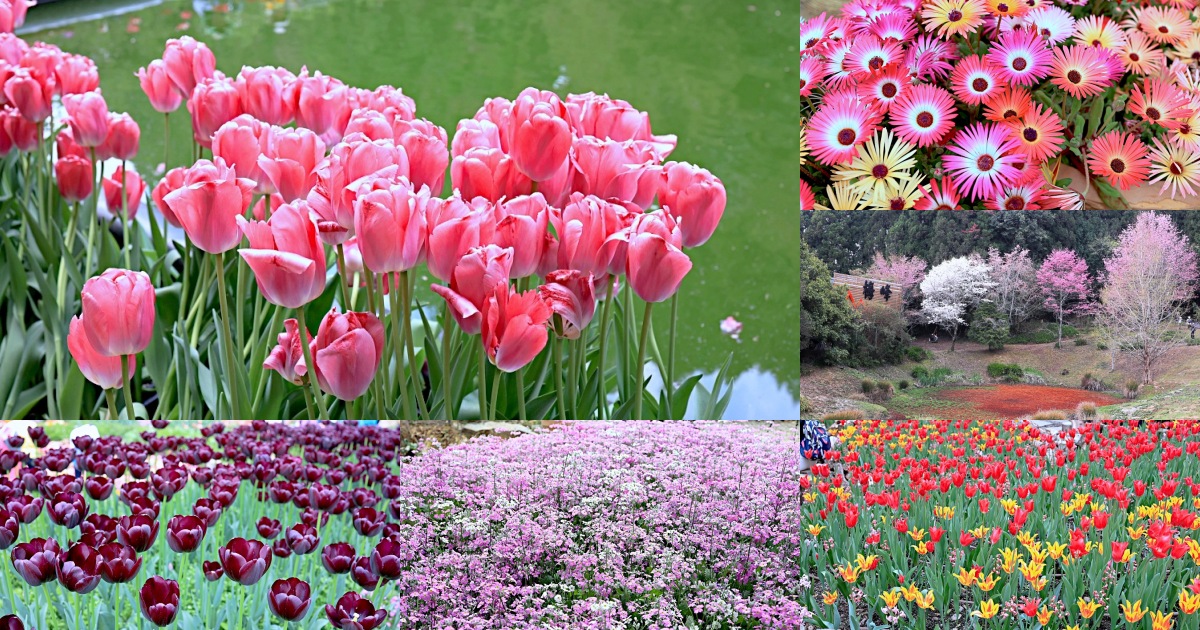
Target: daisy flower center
column 980, row 84
column 1196, row 56
column 944, row 206
column 1010, row 113
column 802, row 83
column 954, row 15
column 1117, row 166
column 846, row 137
column 1164, row 29
column 1134, row 57
column 1074, row 77
column 1095, row 42
column 925, row 120
column 889, row 90
column 1185, row 129
column 1152, row 113
column 1002, row 7
column 879, row 171
column 875, row 63
column 810, row 43
column 1030, row 134
column 1176, row 168
column 1015, row 203
column 1019, row 64
column 898, row 203
column 985, row 163
column 1046, row 32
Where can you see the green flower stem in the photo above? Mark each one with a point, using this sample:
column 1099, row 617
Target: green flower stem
column 219, row 261
column 406, row 298
column 398, row 349
column 311, row 367
column 126, row 235
column 495, row 391
column 522, row 415
column 601, row 388
column 308, row 401
column 639, row 369
column 166, row 141
column 558, row 379
column 482, row 383
column 670, row 377
column 260, row 352
column 125, row 386
column 448, row 410
column 199, row 301
column 239, row 302
column 111, row 396
column 341, row 279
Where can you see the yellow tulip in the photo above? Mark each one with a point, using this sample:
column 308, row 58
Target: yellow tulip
column 965, row 577
column 1159, row 621
column 910, row 592
column 815, row 530
column 1087, row 608
column 864, row 562
column 1056, row 550
column 1038, row 584
column 1010, row 560
column 925, row 601
column 830, row 598
column 849, row 573
column 1133, row 613
column 988, row 583
column 1044, row 615
column 1189, row 602
column 891, row 599
column 987, row 610
column 1136, row 533
column 1074, row 627
column 917, row 534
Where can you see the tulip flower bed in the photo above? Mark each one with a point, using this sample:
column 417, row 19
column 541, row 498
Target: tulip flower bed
column 559, row 212
column 983, row 104
column 589, row 525
column 957, row 524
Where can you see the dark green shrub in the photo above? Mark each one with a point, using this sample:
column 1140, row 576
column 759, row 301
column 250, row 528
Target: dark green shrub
column 902, row 383
column 989, row 327
column 916, row 354
column 920, row 372
column 1080, row 341
column 1102, row 346
column 868, row 386
column 1008, row 372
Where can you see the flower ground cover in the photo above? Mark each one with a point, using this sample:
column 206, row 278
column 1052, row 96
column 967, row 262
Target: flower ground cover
column 589, row 525
column 1002, row 525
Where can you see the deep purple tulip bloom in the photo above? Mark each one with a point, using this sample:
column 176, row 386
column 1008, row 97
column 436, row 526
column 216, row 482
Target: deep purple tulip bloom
column 363, row 575
column 338, row 557
column 268, row 527
column 26, row 507
column 98, row 487
column 281, row 549
column 39, row 437
column 10, row 528
column 68, row 509
column 119, row 563
column 137, row 531
column 212, row 570
column 35, row 561
column 355, row 613
column 281, row 491
column 134, row 491
column 52, row 485
column 159, row 599
column 15, row 441
column 185, row 533
column 302, row 538
column 245, row 561
column 83, row 442
column 95, row 539
column 386, row 560
column 11, row 622
column 160, row 424
column 368, row 521
column 97, row 522
column 289, row 599
column 322, row 496
column 78, row 570
column 208, row 511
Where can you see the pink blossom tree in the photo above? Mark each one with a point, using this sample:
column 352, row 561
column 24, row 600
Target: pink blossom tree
column 1017, row 295
column 1150, row 274
column 1063, row 279
column 903, row 270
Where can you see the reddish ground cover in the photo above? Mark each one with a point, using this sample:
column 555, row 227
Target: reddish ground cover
column 1013, row 401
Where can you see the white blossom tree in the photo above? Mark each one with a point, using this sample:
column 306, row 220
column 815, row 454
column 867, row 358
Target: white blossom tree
column 951, row 289
column 1016, row 293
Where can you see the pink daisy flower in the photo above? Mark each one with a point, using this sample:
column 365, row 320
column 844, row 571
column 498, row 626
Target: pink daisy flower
column 883, row 88
column 943, row 197
column 838, row 127
column 814, row 33
column 897, row 27
column 1119, row 158
column 1024, row 196
column 1022, row 57
column 812, row 71
column 923, row 115
column 808, row 201
column 1159, row 101
column 981, row 159
column 974, row 80
column 1040, row 133
column 869, row 54
column 930, row 58
column 1082, row 71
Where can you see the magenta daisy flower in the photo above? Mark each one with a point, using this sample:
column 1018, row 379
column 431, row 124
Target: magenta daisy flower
column 869, row 54
column 808, row 201
column 814, row 33
column 923, row 115
column 811, row 74
column 1023, row 196
column 838, row 127
column 940, row 197
column 1022, row 57
column 1159, row 101
column 981, row 159
column 930, row 58
column 897, row 27
column 884, row 88
column 975, row 80
column 1082, row 71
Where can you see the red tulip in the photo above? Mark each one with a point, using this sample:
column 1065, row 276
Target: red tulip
column 209, row 203
column 488, row 173
column 539, row 136
column 159, row 600
column 75, row 178
column 655, row 267
column 241, row 142
column 165, row 97
column 289, row 599
column 290, row 163
column 355, row 613
column 286, row 257
column 171, row 181
column 31, row 94
column 79, row 569
column 88, row 117
column 138, row 531
column 695, row 197
column 267, row 94
column 338, row 557
column 522, row 226
column 128, row 182
column 118, row 312
column 185, row 533
column 119, row 563
column 123, row 138
column 514, row 328
column 391, row 225
column 214, row 102
column 322, row 105
column 35, row 561
column 65, row 144
column 287, row 357
column 188, row 63
column 570, row 295
column 425, row 145
column 347, row 351
column 474, row 280
column 245, row 561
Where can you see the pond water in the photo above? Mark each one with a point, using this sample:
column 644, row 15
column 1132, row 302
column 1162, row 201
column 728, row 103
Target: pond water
column 719, row 74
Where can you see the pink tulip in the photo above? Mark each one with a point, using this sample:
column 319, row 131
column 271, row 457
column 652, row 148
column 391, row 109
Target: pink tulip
column 338, row 178
column 472, row 133
column 19, row 132
column 613, row 119
column 289, row 164
column 585, row 225
column 287, row 358
column 74, row 176
column 425, row 146
column 570, row 295
column 214, row 102
column 655, row 267
column 488, row 173
column 188, row 63
column 347, row 352
column 498, row 111
column 322, row 105
column 371, row 124
column 391, row 226
column 128, row 182
column 118, row 312
column 209, row 203
column 12, row 50
column 616, row 247
column 267, row 94
column 30, row 93
column 695, row 197
column 164, row 96
column 287, row 259
column 390, row 101
column 240, row 142
column 540, row 136
column 102, row 370
column 42, row 59
column 514, row 328
column 123, row 138
column 475, row 278
column 453, row 230
column 88, row 117
column 65, row 144
column 12, row 14
column 523, row 228
column 625, row 171
column 76, row 74
column 172, row 181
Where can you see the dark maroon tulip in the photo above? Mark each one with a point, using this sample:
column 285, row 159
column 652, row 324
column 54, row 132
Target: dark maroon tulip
column 83, row 442
column 368, row 521
column 386, row 560
column 97, row 522
column 35, row 561
column 281, row 491
column 364, row 497
column 302, row 538
column 68, row 509
column 160, row 424
column 119, row 563
column 362, row 574
column 355, row 613
column 159, row 599
column 10, row 528
column 269, row 528
column 96, row 539
column 139, row 470
column 113, row 468
column 335, row 476
column 98, row 487
column 208, row 511
column 309, row 517
column 338, row 557
column 55, row 461
column 15, row 441
column 202, row 476
column 289, row 599
column 223, row 494
column 185, row 533
column 212, row 570
column 26, row 507
column 147, row 507
column 392, row 530
column 134, row 491
column 280, row 548
column 11, row 622
column 39, row 437
column 78, row 569
column 51, row 486
column 322, row 496
column 137, row 531
column 245, row 561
